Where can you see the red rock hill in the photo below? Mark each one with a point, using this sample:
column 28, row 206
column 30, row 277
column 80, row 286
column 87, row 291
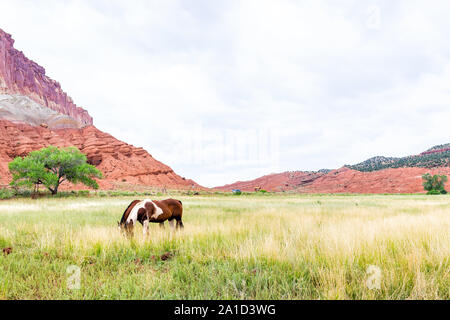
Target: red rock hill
column 284, row 181
column 344, row 180
column 123, row 165
column 398, row 180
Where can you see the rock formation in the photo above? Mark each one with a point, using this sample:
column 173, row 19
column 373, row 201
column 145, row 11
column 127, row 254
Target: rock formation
column 35, row 113
column 21, row 77
column 123, row 166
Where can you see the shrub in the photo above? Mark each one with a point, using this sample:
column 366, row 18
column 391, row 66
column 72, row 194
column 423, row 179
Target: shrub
column 434, row 184
column 24, row 193
column 6, row 194
column 83, row 193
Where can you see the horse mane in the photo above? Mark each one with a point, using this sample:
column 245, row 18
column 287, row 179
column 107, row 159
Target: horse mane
column 127, row 211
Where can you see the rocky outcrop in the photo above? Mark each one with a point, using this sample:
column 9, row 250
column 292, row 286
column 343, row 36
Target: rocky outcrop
column 124, row 166
column 21, row 76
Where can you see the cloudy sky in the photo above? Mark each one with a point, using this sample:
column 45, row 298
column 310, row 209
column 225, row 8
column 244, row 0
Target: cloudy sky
column 230, row 90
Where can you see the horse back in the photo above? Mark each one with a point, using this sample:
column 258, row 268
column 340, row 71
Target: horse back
column 175, row 207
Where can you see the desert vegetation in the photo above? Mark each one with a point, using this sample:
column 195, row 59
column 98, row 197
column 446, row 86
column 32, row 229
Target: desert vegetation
column 261, row 246
column 429, row 159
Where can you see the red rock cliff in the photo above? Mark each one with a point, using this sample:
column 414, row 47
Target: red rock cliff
column 35, row 113
column 19, row 75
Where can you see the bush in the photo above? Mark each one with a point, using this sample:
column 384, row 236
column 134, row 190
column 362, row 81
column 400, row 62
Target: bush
column 434, row 184
column 64, row 194
column 83, row 193
column 6, row 194
column 443, row 192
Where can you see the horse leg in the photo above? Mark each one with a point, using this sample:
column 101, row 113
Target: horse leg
column 172, row 224
column 180, row 224
column 145, row 227
column 161, row 225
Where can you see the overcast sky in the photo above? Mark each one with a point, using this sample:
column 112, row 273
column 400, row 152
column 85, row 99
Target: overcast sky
column 230, row 90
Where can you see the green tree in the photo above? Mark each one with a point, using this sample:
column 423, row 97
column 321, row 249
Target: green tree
column 434, row 184
column 52, row 166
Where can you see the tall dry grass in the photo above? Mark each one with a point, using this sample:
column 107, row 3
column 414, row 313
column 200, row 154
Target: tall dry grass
column 247, row 247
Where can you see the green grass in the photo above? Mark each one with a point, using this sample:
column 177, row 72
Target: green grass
column 233, row 247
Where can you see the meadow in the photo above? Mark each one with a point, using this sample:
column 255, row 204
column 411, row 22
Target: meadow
column 232, row 247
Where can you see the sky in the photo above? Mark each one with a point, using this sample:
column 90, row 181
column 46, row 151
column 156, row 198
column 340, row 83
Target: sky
column 229, row 90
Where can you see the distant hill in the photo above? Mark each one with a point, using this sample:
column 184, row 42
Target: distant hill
column 375, row 175
column 439, row 147
column 284, row 181
column 437, row 156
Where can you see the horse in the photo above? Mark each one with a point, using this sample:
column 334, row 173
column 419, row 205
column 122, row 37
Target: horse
column 146, row 211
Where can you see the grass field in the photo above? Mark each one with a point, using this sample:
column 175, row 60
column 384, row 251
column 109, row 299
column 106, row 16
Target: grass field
column 239, row 247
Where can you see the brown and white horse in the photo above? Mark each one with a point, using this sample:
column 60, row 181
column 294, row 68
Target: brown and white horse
column 146, row 211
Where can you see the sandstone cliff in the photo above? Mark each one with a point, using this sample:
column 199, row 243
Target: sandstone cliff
column 21, row 77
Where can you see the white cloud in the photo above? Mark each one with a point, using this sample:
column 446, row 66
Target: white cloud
column 315, row 74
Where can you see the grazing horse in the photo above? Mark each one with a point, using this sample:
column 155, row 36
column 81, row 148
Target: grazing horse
column 146, row 211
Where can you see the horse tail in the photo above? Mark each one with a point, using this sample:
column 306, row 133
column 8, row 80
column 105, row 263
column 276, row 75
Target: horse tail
column 180, row 213
column 127, row 211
